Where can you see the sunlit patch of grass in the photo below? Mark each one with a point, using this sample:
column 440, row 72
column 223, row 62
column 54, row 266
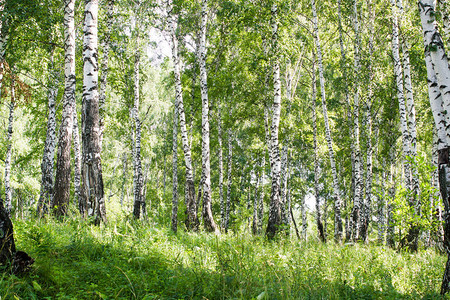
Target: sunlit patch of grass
column 133, row 260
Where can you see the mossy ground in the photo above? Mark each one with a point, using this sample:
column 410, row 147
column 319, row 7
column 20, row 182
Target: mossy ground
column 138, row 261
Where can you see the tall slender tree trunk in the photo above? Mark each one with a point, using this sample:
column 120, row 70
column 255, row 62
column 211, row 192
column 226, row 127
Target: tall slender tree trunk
column 175, row 171
column 77, row 155
column 444, row 11
column 3, row 40
column 113, row 176
column 381, row 208
column 220, row 137
column 349, row 225
column 124, row 178
column 255, row 205
column 390, row 238
column 369, row 103
column 267, row 136
column 191, row 207
column 12, row 104
column 229, row 179
column 275, row 217
column 209, row 223
column 436, row 236
column 138, row 178
column 320, row 230
column 414, row 201
column 304, row 219
column 46, row 195
column 62, row 178
column 336, row 193
column 91, row 167
column 358, row 205
column 412, row 237
column 437, row 65
column 261, row 195
column 283, row 184
column 104, row 65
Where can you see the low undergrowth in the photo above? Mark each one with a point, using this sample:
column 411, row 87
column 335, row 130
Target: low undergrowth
column 137, row 261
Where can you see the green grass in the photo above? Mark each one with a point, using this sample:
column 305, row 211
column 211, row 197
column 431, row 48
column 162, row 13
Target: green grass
column 136, row 261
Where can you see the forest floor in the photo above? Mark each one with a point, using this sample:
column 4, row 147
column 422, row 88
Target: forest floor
column 137, row 261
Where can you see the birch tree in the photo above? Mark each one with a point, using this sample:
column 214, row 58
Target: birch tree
column 11, row 106
column 369, row 124
column 191, row 207
column 349, row 225
column 411, row 239
column 220, row 137
column 46, row 194
column 104, row 65
column 229, row 178
column 336, row 193
column 93, row 192
column 137, row 176
column 320, row 229
column 438, row 71
column 77, row 162
column 208, row 219
column 275, row 166
column 175, row 171
column 358, row 202
column 62, row 178
column 261, row 195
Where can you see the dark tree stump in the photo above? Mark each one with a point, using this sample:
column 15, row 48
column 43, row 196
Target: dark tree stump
column 7, row 245
column 17, row 262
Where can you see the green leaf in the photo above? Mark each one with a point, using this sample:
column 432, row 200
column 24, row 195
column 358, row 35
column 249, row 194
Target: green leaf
column 261, row 296
column 36, row 286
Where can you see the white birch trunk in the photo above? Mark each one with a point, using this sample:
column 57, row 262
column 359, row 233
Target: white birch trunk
column 304, row 219
column 413, row 234
column 11, row 106
column 437, row 71
column 267, row 136
column 336, row 193
column 221, row 199
column 283, row 184
column 255, row 205
column 412, row 237
column 138, row 178
column 369, row 103
column 275, row 201
column 439, row 63
column 62, row 178
column 104, row 65
column 93, row 192
column 320, row 230
column 358, row 209
column 208, row 219
column 175, row 171
column 77, row 154
column 124, row 178
column 229, row 179
column 349, row 224
column 390, row 230
column 3, row 41
column 261, row 195
column 46, row 194
column 381, row 209
column 400, row 91
column 444, row 12
column 191, row 207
